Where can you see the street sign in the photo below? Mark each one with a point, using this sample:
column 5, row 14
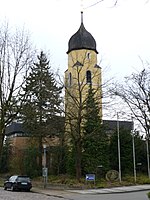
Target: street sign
column 90, row 177
column 45, row 172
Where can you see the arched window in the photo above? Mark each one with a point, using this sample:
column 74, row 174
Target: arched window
column 88, row 77
column 88, row 55
column 69, row 79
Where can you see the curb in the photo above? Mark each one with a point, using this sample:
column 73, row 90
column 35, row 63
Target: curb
column 60, row 192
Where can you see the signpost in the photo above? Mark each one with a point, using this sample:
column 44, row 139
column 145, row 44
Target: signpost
column 90, row 177
column 45, row 170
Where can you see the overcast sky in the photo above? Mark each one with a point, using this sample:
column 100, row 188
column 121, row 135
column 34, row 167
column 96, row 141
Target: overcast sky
column 122, row 32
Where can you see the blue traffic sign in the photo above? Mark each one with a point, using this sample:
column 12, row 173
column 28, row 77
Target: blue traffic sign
column 90, row 177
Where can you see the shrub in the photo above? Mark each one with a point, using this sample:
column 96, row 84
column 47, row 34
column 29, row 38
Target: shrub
column 148, row 194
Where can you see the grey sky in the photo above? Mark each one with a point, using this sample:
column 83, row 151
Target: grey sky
column 122, row 32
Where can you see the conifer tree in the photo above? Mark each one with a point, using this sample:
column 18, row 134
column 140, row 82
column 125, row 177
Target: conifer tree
column 95, row 141
column 126, row 151
column 42, row 104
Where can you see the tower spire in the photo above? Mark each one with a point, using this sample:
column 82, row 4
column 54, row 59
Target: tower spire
column 81, row 16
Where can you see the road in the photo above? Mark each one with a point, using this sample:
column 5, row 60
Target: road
column 121, row 196
column 13, row 195
column 9, row 195
column 118, row 196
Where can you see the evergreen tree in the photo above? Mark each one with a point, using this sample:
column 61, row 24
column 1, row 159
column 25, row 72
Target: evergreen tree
column 42, row 101
column 140, row 153
column 30, row 166
column 95, row 140
column 126, row 152
column 5, row 157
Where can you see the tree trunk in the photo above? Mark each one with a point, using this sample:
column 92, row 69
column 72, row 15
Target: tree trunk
column 2, row 130
column 40, row 153
column 78, row 160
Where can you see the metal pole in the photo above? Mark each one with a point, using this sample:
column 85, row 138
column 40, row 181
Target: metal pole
column 44, row 157
column 133, row 146
column 119, row 147
column 45, row 175
column 134, row 165
column 147, row 148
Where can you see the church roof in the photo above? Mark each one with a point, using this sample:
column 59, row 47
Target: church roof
column 82, row 39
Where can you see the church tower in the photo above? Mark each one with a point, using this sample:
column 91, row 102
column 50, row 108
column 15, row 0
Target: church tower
column 83, row 70
column 83, row 73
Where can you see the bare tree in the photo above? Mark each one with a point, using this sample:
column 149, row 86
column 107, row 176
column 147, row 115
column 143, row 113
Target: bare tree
column 15, row 57
column 96, row 2
column 78, row 78
column 112, row 3
column 136, row 94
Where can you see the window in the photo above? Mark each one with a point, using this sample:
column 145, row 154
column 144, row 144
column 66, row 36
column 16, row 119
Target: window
column 88, row 77
column 12, row 178
column 70, row 79
column 88, row 55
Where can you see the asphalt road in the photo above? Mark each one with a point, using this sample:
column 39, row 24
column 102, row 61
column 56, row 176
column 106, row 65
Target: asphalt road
column 119, row 196
column 9, row 195
column 13, row 195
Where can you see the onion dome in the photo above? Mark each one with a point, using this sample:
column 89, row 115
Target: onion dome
column 82, row 39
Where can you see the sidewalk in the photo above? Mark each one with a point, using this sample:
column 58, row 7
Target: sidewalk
column 114, row 190
column 63, row 192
